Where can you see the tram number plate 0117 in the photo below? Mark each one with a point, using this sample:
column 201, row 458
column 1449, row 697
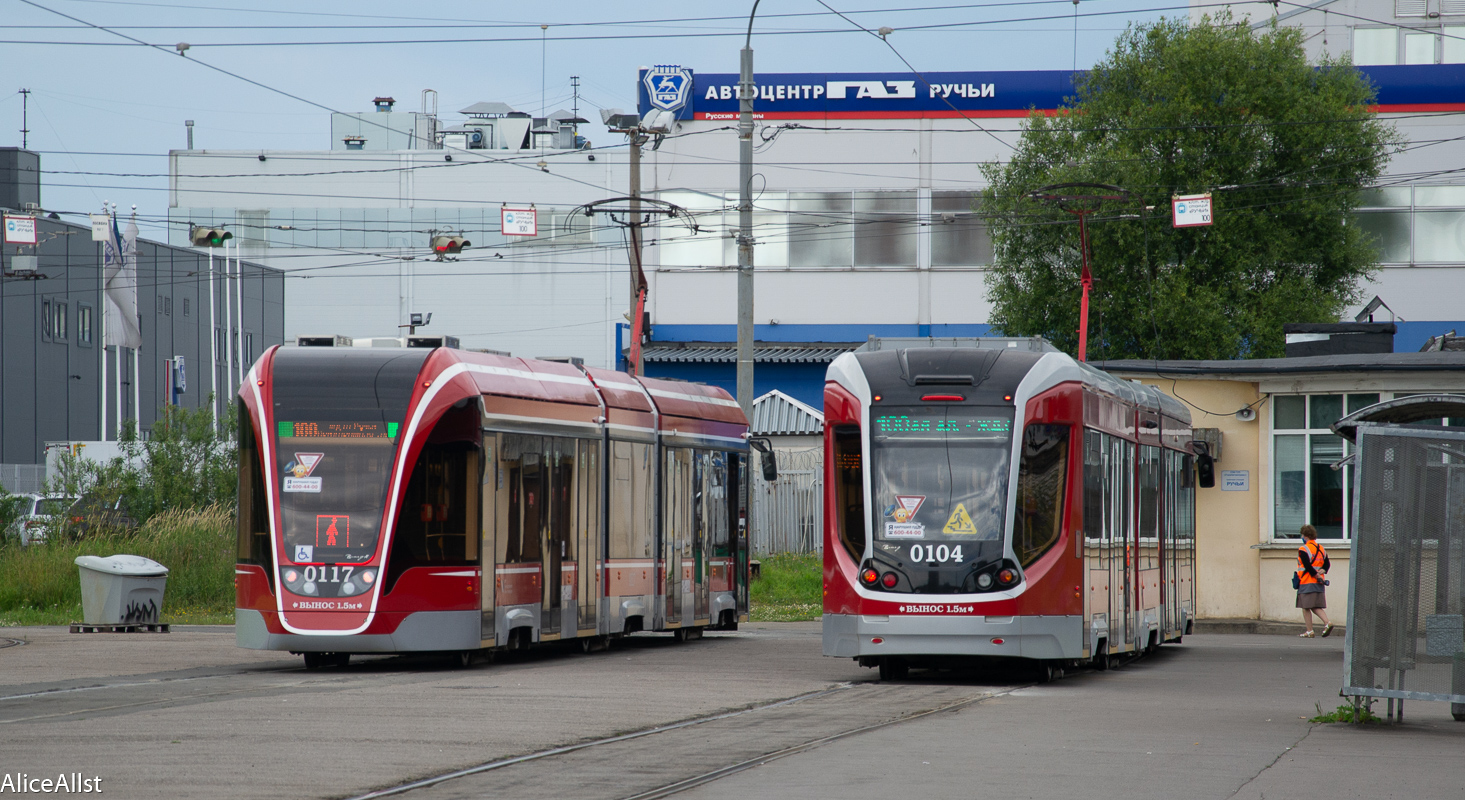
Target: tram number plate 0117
column 334, row 574
column 939, row 553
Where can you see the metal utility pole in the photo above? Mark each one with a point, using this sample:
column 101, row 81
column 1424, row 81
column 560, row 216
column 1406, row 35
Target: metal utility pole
column 1081, row 205
column 637, row 365
column 25, row 99
column 746, row 88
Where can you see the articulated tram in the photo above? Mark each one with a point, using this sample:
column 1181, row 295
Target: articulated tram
column 997, row 498
column 433, row 499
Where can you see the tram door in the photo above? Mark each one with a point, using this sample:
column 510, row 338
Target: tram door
column 707, row 497
column 588, row 507
column 559, row 559
column 1096, row 491
column 677, row 532
column 1122, row 541
column 487, row 545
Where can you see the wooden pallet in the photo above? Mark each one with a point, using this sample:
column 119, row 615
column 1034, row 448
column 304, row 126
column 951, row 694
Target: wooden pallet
column 126, row 627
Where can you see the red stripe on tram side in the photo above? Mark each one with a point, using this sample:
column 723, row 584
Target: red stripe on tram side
column 1051, row 579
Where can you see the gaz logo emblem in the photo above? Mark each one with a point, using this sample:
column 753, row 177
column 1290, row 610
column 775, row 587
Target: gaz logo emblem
column 668, row 86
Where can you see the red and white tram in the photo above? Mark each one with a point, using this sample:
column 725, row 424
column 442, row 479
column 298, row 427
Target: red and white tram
column 434, row 499
column 997, row 498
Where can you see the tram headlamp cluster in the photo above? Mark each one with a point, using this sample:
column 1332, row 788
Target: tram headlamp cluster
column 869, row 576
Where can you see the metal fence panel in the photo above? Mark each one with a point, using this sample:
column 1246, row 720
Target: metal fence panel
column 1406, row 620
column 788, row 514
column 22, row 478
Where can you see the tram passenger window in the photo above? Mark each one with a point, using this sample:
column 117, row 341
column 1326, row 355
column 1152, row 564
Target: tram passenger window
column 1093, row 486
column 521, row 498
column 630, row 500
column 849, row 480
column 254, row 512
column 439, row 507
column 1149, row 503
column 1040, row 490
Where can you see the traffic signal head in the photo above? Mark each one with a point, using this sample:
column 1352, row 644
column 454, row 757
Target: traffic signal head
column 208, row 237
column 445, row 245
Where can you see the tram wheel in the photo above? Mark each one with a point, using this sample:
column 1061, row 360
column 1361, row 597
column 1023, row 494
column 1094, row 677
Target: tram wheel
column 340, row 660
column 894, row 669
column 1047, row 672
column 314, row 660
column 463, row 659
column 1101, row 657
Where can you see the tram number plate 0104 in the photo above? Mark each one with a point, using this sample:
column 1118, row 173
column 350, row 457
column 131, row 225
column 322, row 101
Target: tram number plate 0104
column 938, row 553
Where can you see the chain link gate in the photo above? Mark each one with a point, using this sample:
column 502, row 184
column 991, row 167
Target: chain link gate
column 788, row 514
column 1406, row 618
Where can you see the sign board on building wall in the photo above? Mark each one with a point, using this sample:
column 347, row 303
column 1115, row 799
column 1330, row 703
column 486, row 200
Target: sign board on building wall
column 519, row 222
column 20, row 230
column 101, row 227
column 1191, row 210
column 1235, row 480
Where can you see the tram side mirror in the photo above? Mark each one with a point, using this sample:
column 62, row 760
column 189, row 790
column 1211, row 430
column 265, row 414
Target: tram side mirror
column 769, row 460
column 1205, row 466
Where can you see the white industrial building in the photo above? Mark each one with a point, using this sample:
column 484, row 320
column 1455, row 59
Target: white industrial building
column 864, row 215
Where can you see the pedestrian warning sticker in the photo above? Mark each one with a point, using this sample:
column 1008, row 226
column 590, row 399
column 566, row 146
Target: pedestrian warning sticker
column 960, row 523
column 906, row 506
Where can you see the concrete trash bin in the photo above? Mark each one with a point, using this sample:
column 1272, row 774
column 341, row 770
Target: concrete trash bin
column 121, row 590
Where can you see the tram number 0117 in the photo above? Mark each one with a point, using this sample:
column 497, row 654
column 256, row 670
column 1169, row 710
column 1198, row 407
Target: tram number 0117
column 938, row 553
column 334, row 574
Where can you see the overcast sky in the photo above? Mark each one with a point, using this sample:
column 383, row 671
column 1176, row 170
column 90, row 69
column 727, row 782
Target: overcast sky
column 112, row 106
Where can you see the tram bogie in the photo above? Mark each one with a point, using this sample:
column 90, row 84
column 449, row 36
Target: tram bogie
column 995, row 499
column 440, row 500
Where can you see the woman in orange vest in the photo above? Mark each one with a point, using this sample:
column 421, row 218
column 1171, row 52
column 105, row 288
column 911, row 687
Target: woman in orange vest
column 1311, row 581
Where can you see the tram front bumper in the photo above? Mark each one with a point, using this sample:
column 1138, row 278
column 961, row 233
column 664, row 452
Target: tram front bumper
column 854, row 636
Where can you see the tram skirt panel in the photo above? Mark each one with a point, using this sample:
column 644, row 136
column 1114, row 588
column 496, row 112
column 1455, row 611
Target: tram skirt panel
column 852, row 636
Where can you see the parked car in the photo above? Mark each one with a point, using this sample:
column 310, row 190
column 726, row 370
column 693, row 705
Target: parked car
column 36, row 516
column 92, row 510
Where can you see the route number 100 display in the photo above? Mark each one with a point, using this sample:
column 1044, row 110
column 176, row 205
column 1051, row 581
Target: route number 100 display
column 938, row 553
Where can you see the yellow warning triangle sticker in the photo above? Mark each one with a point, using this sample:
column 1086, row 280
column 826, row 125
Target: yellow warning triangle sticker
column 960, row 523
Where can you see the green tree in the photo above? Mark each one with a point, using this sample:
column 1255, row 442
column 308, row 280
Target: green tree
column 1286, row 147
column 184, row 464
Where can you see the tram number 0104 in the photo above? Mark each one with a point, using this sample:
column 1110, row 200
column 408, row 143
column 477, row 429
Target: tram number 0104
column 938, row 553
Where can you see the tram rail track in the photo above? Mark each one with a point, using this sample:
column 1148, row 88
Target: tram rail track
column 425, row 786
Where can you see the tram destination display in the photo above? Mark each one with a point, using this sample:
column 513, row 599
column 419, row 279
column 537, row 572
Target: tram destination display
column 338, row 430
column 938, row 425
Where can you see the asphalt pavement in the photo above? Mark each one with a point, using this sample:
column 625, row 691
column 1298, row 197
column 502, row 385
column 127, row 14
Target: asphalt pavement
column 757, row 713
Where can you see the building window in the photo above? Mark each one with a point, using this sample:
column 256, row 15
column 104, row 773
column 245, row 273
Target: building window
column 47, row 331
column 59, row 324
column 959, row 238
column 1452, row 45
column 1306, row 488
column 1375, row 46
column 84, row 325
column 248, row 349
column 185, row 307
column 1419, row 48
column 167, row 306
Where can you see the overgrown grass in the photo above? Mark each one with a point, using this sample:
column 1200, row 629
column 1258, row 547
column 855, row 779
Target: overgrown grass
column 40, row 585
column 790, row 589
column 1347, row 713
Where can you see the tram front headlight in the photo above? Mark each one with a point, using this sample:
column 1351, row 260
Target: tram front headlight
column 869, row 576
column 888, row 580
column 1007, row 576
column 984, row 581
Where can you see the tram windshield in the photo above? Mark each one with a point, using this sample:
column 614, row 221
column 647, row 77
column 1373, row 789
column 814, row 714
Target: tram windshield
column 940, row 474
column 337, row 425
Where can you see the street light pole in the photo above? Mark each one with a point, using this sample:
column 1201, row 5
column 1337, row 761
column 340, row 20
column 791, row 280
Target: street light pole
column 746, row 89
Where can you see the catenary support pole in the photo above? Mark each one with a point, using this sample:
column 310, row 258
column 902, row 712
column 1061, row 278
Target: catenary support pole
column 635, row 364
column 746, row 88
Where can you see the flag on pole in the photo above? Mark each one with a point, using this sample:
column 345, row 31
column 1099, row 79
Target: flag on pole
column 119, row 278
